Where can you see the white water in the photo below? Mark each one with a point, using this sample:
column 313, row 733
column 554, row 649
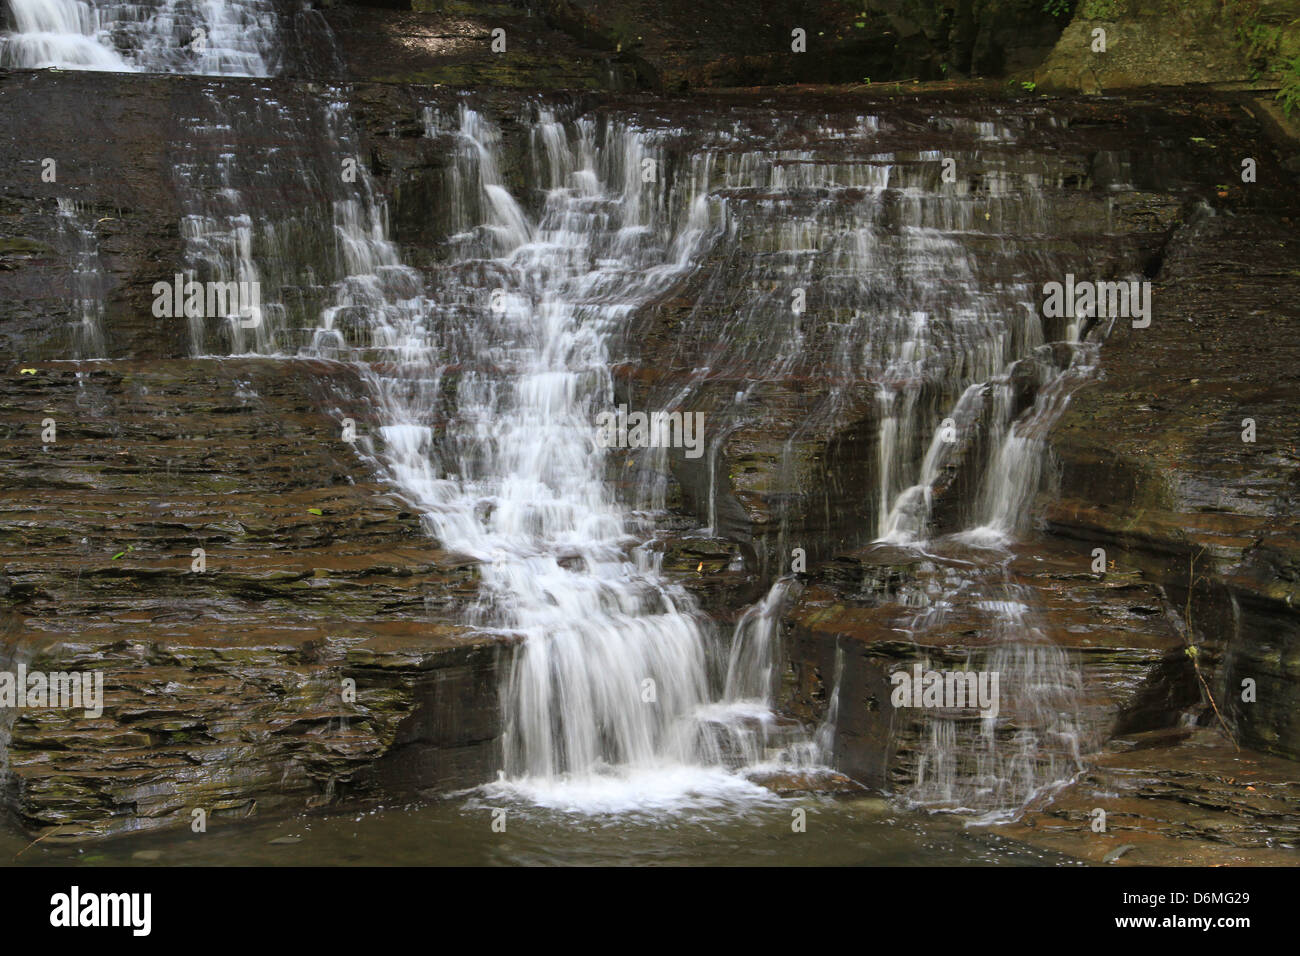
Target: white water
column 609, row 703
column 87, row 278
column 488, row 395
column 909, row 302
column 613, row 700
column 997, row 765
column 212, row 37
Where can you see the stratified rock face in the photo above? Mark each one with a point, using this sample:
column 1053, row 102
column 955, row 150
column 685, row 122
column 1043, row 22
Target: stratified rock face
column 852, row 275
column 273, row 627
column 1183, row 462
column 1150, row 465
column 120, row 190
column 320, row 652
column 1109, row 630
column 1176, row 797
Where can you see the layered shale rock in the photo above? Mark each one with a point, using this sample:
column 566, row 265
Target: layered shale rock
column 860, row 620
column 309, row 651
column 796, row 400
column 230, row 689
column 1173, row 798
column 1205, row 503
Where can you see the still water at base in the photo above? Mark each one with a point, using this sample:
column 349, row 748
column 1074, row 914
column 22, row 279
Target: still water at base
column 865, row 831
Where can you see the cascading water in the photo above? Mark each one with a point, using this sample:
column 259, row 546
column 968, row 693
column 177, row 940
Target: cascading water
column 488, row 394
column 88, row 281
column 216, row 37
column 916, row 325
column 609, row 701
column 489, row 390
column 994, row 764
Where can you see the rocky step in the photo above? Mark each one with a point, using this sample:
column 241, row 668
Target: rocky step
column 1130, row 663
column 1184, row 797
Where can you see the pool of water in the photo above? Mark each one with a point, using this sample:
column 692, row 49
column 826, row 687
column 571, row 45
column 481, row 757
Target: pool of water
column 866, row 831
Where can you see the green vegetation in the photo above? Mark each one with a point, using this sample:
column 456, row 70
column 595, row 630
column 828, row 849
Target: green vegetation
column 1289, row 94
column 1101, row 9
column 1269, row 48
column 1058, row 8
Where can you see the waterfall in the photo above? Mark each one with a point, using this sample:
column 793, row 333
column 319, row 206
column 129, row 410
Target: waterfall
column 995, row 765
column 754, row 649
column 490, row 366
column 88, row 280
column 69, row 34
column 609, row 699
column 215, row 37
column 488, row 394
column 1014, row 476
column 912, row 323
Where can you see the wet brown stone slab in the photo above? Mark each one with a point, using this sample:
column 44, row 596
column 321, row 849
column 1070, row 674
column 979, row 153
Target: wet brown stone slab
column 313, row 659
column 1114, row 627
column 1184, row 800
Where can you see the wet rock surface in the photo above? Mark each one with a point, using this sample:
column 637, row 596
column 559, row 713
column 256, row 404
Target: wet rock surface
column 311, row 652
column 1193, row 504
column 1177, row 798
column 226, row 686
column 1150, row 465
column 864, row 606
column 798, row 466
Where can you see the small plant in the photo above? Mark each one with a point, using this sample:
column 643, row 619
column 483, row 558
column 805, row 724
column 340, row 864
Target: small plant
column 1289, row 93
column 1058, row 8
column 1261, row 45
column 1029, row 86
column 1100, row 9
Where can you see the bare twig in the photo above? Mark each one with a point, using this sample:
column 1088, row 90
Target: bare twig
column 1193, row 651
column 38, row 840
